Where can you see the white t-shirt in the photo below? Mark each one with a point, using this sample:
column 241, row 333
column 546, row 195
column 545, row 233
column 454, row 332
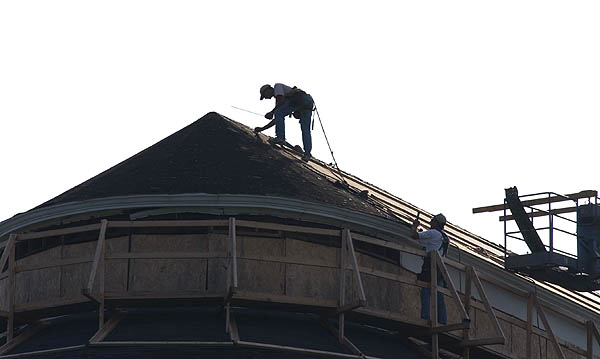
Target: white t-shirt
column 281, row 89
column 432, row 240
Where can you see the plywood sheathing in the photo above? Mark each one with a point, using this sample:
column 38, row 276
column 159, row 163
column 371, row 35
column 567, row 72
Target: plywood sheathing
column 168, row 275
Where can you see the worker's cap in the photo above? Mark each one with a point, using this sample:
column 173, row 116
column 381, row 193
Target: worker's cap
column 440, row 219
column 263, row 89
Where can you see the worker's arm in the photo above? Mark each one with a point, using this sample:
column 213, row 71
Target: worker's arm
column 279, row 100
column 267, row 126
column 413, row 230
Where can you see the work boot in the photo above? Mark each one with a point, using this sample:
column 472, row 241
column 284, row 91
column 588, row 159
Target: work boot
column 306, row 157
column 276, row 140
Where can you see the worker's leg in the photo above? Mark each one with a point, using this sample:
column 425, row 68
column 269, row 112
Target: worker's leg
column 425, row 302
column 279, row 114
column 425, row 296
column 441, row 304
column 305, row 127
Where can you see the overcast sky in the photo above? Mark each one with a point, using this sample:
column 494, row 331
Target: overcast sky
column 442, row 103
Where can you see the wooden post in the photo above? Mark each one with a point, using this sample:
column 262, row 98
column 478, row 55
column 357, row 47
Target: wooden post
column 467, row 350
column 590, row 338
column 542, row 315
column 529, row 349
column 233, row 251
column 361, row 290
column 342, row 298
column 435, row 350
column 10, row 248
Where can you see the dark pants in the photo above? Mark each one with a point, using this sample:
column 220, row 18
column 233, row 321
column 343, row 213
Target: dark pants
column 441, row 305
column 285, row 110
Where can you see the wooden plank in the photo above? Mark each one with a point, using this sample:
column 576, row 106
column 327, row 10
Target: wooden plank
column 167, row 255
column 176, row 223
column 468, row 279
column 9, row 244
column 44, row 304
column 64, row 262
column 345, row 341
column 463, row 313
column 233, row 332
column 28, row 333
column 533, row 202
column 296, row 350
column 449, row 328
column 547, row 327
column 232, row 237
column 97, row 255
column 285, row 299
column 529, row 326
column 482, row 341
column 541, row 214
column 433, row 315
column 387, row 244
column 486, row 302
column 11, row 291
column 361, row 290
column 349, row 307
column 43, row 352
column 160, row 344
column 288, row 228
column 108, row 327
column 59, row 232
column 590, row 339
column 342, row 284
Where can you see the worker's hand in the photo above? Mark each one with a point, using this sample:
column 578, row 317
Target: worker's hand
column 257, row 129
column 269, row 115
column 415, row 223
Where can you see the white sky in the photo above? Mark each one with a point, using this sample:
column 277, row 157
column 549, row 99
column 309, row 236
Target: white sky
column 442, row 103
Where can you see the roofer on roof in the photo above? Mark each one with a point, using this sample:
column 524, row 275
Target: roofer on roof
column 288, row 101
column 432, row 239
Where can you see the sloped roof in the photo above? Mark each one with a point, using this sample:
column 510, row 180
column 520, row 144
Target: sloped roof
column 215, row 155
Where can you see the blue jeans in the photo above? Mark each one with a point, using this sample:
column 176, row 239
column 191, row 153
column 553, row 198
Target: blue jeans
column 285, row 110
column 441, row 305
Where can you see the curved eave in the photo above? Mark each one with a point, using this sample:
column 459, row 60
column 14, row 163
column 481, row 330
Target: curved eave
column 225, row 203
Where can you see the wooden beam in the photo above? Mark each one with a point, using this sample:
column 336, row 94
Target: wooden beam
column 166, row 255
column 482, row 341
column 163, row 343
column 232, row 237
column 449, row 328
column 533, row 202
column 60, row 263
column 288, row 228
column 28, row 333
column 9, row 244
column 529, row 348
column 433, row 314
column 350, row 306
column 361, row 290
column 590, row 339
column 342, row 285
column 347, row 343
column 176, row 223
column 468, row 278
column 296, row 350
column 488, row 307
column 11, row 290
column 98, row 255
column 541, row 214
column 59, row 232
column 43, row 352
column 463, row 313
column 547, row 327
column 233, row 332
column 108, row 327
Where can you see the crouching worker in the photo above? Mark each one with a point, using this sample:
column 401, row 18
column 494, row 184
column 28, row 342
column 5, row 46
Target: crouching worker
column 433, row 239
column 288, row 101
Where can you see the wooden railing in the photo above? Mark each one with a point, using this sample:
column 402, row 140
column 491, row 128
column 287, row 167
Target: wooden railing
column 347, row 254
